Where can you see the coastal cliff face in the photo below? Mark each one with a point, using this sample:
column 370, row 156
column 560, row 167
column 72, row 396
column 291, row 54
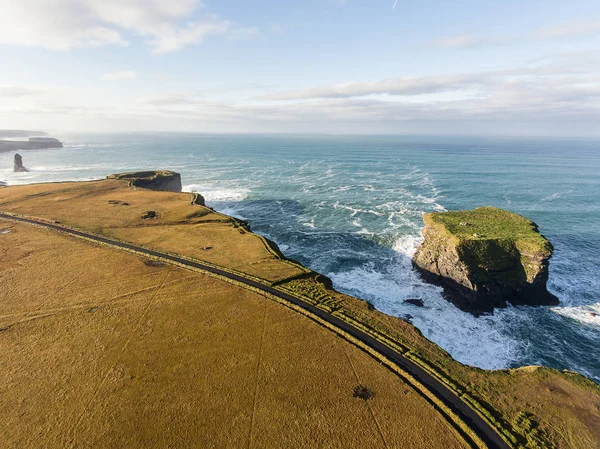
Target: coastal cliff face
column 34, row 143
column 485, row 258
column 153, row 180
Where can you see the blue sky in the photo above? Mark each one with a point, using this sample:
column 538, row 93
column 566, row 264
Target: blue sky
column 353, row 66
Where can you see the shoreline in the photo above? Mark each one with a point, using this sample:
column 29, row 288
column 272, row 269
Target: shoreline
column 273, row 246
column 471, row 384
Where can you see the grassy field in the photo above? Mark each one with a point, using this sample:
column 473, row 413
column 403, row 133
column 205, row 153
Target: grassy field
column 112, row 208
column 104, row 349
column 532, row 407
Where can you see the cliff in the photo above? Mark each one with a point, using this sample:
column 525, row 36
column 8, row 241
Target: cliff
column 485, row 258
column 34, row 143
column 153, row 180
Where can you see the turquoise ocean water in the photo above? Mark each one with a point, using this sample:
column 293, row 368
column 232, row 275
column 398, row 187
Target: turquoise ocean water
column 350, row 207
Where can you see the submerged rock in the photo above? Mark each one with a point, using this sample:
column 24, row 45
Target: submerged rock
column 485, row 258
column 152, row 180
column 415, row 302
column 19, row 168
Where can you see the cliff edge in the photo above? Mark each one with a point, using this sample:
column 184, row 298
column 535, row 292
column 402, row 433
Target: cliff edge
column 485, row 258
column 152, row 180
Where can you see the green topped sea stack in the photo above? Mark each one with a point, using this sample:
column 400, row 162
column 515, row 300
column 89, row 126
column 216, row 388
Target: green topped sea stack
column 485, row 258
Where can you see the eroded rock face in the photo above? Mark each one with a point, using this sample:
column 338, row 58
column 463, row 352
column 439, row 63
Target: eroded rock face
column 152, row 180
column 19, row 168
column 485, row 258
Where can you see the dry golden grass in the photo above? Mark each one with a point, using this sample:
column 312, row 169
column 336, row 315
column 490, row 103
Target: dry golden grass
column 100, row 350
column 180, row 226
column 561, row 410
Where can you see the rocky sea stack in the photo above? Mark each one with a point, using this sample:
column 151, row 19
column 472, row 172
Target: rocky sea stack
column 19, row 167
column 485, row 258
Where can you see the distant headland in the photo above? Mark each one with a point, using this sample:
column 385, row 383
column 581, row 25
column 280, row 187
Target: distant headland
column 33, row 143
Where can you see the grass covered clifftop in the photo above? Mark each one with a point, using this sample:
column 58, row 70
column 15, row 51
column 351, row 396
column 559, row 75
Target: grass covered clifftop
column 486, row 257
column 152, row 180
column 149, row 350
column 493, row 238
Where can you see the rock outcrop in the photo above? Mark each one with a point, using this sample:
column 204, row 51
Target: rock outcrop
column 152, row 180
column 19, row 168
column 485, row 258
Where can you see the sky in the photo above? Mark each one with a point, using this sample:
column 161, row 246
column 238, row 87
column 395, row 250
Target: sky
column 439, row 67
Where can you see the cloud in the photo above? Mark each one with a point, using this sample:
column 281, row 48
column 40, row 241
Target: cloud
column 565, row 30
column 398, row 86
column 559, row 97
column 17, row 92
column 276, row 28
column 170, row 99
column 573, row 29
column 64, row 24
column 123, row 75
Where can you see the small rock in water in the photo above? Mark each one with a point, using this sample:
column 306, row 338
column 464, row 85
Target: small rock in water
column 594, row 314
column 415, row 302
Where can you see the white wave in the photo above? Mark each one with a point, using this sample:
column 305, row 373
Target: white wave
column 470, row 340
column 232, row 212
column 61, row 168
column 589, row 314
column 556, row 195
column 407, row 244
column 355, row 210
column 217, row 193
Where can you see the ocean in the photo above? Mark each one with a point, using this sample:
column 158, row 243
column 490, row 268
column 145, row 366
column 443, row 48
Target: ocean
column 350, row 207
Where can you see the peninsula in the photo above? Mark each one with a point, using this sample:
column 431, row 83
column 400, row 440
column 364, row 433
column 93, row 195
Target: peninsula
column 135, row 317
column 34, row 143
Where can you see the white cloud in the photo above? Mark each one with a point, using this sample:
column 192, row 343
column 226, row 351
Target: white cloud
column 65, row 24
column 195, row 33
column 398, row 86
column 565, row 30
column 170, row 99
column 561, row 97
column 573, row 29
column 276, row 28
column 123, row 75
column 18, row 92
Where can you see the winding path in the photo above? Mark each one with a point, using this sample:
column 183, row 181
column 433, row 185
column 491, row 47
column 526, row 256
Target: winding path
column 475, row 422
